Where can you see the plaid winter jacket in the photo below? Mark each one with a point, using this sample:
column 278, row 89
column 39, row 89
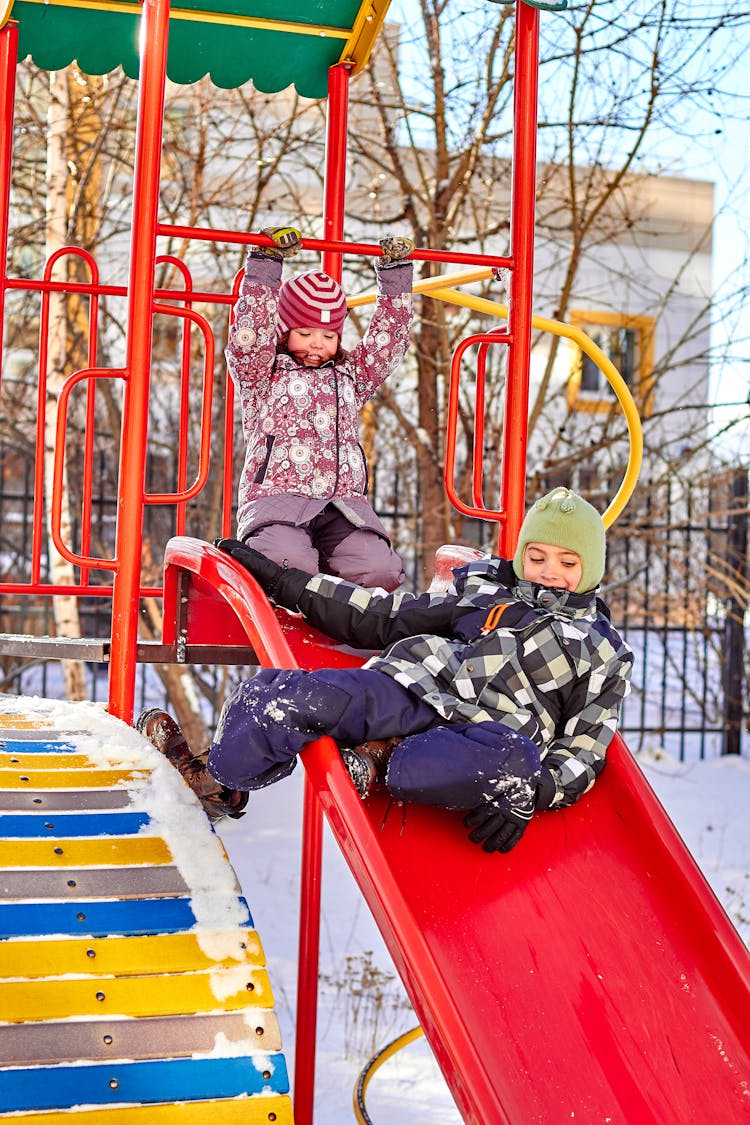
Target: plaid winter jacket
column 544, row 662
column 301, row 425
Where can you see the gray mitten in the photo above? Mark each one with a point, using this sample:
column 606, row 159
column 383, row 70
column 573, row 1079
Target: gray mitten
column 287, row 242
column 395, row 248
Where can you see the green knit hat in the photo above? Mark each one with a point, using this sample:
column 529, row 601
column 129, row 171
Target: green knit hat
column 564, row 519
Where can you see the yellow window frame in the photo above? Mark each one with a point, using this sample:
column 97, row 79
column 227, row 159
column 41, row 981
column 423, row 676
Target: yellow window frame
column 589, row 320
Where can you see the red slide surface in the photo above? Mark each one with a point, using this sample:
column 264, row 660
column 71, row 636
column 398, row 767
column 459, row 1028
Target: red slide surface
column 589, row 975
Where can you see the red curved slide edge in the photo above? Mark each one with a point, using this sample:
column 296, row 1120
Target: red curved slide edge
column 589, row 975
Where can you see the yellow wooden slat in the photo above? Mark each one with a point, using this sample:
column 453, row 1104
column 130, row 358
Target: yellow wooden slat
column 43, row 761
column 66, row 779
column 225, row 990
column 99, row 851
column 16, row 720
column 263, row 1109
column 124, row 956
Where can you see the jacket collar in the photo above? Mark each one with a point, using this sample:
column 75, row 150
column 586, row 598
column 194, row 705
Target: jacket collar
column 491, row 570
column 563, row 603
column 288, row 362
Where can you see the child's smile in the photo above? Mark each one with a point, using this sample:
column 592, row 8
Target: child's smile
column 552, row 566
column 312, row 347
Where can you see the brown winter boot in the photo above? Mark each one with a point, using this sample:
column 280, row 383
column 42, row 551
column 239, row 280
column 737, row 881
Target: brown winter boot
column 163, row 732
column 367, row 763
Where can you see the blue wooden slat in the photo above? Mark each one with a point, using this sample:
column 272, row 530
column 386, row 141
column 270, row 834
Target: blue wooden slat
column 60, row 1087
column 100, row 919
column 49, row 746
column 72, row 824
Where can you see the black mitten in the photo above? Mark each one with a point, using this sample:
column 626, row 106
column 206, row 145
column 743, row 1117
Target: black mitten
column 496, row 829
column 546, row 789
column 283, row 584
column 499, row 822
column 265, row 572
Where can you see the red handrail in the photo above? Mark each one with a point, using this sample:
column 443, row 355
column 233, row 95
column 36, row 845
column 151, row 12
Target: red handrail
column 523, row 201
column 8, row 59
column 451, row 437
column 129, row 534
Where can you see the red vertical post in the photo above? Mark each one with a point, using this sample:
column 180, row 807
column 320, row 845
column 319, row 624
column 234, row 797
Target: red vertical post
column 8, row 57
column 154, row 35
column 522, row 216
column 312, row 822
column 337, row 125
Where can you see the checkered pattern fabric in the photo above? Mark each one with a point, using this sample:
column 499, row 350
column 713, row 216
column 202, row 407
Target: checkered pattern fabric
column 554, row 668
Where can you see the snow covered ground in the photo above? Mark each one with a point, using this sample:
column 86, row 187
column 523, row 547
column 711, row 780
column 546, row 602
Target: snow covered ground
column 362, row 1004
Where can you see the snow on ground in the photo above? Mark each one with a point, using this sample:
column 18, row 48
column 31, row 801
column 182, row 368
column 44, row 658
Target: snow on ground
column 362, row 1005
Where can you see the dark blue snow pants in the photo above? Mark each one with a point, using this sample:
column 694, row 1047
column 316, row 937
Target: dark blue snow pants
column 268, row 719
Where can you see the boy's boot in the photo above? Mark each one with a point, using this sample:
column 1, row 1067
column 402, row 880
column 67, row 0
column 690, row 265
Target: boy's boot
column 367, row 763
column 163, row 732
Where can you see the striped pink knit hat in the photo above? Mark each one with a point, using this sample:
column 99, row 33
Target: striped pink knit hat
column 311, row 300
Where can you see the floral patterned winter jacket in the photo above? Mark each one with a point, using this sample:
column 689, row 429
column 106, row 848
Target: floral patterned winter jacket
column 301, row 425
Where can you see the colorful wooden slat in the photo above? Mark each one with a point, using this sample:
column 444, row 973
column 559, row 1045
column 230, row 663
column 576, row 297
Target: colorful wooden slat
column 28, row 758
column 26, row 1088
column 64, row 800
column 104, row 850
column 265, row 1109
column 140, row 916
column 72, row 824
column 103, row 882
column 118, row 1005
column 122, row 1038
column 166, row 994
column 81, row 779
column 130, row 956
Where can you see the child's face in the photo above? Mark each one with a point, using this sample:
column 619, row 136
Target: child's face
column 312, row 346
column 552, row 566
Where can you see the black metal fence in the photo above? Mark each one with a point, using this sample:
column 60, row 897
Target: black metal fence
column 677, row 586
column 678, row 590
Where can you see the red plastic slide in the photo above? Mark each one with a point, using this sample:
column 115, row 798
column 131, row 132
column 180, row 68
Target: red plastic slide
column 590, row 975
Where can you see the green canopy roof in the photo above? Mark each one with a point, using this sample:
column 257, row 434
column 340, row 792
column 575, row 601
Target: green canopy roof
column 276, row 43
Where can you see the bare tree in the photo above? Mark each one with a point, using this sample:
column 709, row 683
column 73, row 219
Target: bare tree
column 432, row 154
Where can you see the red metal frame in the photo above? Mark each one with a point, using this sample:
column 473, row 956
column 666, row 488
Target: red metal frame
column 144, row 303
column 8, row 57
column 523, row 201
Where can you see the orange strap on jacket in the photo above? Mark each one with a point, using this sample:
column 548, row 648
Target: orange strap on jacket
column 493, row 617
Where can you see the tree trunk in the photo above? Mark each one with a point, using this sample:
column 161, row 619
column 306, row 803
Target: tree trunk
column 65, row 607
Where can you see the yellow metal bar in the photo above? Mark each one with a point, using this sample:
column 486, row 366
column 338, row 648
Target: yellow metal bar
column 462, row 277
column 440, row 288
column 67, row 779
column 100, row 851
column 218, row 990
column 219, row 18
column 367, row 25
column 374, row 1065
column 130, row 956
column 257, row 1110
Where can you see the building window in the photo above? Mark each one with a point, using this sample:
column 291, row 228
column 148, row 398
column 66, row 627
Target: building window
column 628, row 342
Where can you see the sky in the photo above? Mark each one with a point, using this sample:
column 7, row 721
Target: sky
column 362, row 1005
